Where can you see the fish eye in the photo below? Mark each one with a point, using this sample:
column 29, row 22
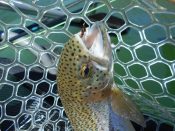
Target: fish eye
column 86, row 70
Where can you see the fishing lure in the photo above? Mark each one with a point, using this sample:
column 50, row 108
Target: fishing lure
column 86, row 87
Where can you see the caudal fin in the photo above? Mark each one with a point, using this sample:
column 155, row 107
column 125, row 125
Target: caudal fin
column 123, row 106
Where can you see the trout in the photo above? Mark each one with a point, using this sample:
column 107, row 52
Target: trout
column 89, row 95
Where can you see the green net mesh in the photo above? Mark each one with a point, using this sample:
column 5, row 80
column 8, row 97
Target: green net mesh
column 32, row 34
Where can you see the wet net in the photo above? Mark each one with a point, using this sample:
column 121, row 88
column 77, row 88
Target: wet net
column 33, row 33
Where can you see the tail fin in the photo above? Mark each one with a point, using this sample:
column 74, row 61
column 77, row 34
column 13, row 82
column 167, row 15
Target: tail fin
column 123, row 106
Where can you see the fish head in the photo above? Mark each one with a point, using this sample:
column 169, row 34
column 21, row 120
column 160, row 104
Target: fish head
column 95, row 69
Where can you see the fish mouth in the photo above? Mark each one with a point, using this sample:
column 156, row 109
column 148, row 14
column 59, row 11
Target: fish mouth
column 97, row 41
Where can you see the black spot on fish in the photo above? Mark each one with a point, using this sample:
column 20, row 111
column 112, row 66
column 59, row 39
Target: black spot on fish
column 67, row 50
column 104, row 74
column 66, row 54
column 84, row 56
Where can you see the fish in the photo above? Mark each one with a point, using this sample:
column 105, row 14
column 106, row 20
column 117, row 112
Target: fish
column 91, row 99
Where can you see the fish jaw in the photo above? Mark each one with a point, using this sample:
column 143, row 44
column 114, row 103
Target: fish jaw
column 97, row 43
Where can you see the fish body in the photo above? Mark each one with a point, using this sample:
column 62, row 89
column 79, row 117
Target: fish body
column 86, row 87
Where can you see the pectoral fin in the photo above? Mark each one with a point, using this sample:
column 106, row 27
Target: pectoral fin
column 98, row 95
column 123, row 106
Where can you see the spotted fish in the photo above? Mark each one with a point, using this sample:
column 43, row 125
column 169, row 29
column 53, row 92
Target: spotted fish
column 86, row 87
